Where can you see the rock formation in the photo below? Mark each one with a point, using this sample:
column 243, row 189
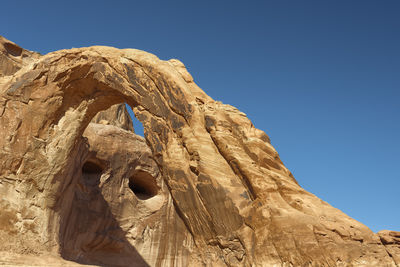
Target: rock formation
column 204, row 188
column 391, row 240
column 116, row 115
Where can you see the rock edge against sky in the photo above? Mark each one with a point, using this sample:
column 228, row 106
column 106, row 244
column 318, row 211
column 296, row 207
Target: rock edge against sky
column 204, row 188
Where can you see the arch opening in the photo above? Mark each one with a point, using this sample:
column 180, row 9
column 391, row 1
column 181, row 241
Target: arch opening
column 108, row 151
column 137, row 125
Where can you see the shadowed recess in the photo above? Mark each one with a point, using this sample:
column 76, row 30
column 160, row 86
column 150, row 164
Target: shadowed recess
column 143, row 185
column 91, row 167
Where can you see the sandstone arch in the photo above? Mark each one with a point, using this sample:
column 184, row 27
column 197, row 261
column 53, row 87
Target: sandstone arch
column 237, row 201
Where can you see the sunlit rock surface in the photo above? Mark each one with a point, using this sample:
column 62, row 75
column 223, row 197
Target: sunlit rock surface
column 204, row 188
column 116, row 115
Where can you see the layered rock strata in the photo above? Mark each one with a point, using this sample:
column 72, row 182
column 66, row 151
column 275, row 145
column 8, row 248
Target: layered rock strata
column 204, row 188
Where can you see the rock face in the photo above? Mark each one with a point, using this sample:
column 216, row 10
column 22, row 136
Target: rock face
column 391, row 240
column 116, row 115
column 13, row 57
column 120, row 194
column 204, row 188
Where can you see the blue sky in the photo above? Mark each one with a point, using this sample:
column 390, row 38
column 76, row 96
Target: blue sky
column 321, row 78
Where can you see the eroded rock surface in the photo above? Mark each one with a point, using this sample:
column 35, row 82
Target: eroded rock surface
column 116, row 115
column 120, row 194
column 204, row 188
column 13, row 57
column 391, row 240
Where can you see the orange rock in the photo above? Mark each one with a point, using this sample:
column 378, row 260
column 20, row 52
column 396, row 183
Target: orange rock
column 205, row 187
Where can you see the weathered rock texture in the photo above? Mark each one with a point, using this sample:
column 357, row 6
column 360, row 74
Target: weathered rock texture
column 205, row 187
column 391, row 240
column 13, row 57
column 116, row 115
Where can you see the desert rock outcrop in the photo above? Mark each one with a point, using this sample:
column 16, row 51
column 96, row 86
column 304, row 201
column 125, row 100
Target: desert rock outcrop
column 116, row 115
column 391, row 240
column 204, row 188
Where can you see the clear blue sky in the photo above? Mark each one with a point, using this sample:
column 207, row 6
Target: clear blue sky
column 321, row 78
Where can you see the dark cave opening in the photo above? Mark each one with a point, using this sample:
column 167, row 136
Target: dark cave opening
column 91, row 172
column 91, row 168
column 143, row 185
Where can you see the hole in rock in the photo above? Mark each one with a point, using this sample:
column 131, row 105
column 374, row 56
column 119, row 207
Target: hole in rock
column 91, row 168
column 91, row 173
column 137, row 125
column 143, row 185
column 92, row 234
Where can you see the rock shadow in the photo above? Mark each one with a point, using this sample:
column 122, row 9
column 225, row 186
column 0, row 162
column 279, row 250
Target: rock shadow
column 89, row 232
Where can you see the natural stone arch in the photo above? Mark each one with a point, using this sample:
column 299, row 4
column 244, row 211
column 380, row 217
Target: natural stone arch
column 91, row 80
column 236, row 198
column 161, row 104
